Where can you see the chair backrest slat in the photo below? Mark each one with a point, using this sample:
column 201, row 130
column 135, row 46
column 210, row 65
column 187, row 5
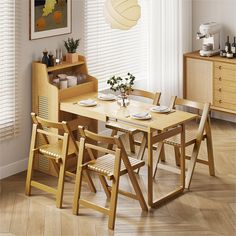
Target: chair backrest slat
column 89, row 146
column 90, row 136
column 50, row 124
column 96, row 137
column 49, row 134
column 146, row 94
column 189, row 103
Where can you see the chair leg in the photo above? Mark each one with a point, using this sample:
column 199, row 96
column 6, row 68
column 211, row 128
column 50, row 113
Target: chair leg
column 160, row 149
column 61, row 181
column 78, row 179
column 137, row 190
column 78, row 183
column 210, row 157
column 31, row 161
column 131, row 143
column 142, row 149
column 89, row 181
column 113, row 133
column 177, row 155
column 105, row 186
column 29, row 173
column 162, row 154
column 114, row 194
column 192, row 163
column 210, row 149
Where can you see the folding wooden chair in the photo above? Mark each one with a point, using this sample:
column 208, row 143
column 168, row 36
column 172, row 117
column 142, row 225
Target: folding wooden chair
column 111, row 166
column 202, row 133
column 116, row 127
column 58, row 148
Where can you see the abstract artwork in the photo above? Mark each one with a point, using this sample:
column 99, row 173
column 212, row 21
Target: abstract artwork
column 49, row 18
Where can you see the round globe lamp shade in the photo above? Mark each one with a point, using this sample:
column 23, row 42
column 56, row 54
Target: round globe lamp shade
column 122, row 14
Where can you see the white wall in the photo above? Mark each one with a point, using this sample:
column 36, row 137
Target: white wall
column 221, row 11
column 14, row 153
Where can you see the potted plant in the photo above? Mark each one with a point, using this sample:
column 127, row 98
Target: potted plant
column 124, row 86
column 71, row 46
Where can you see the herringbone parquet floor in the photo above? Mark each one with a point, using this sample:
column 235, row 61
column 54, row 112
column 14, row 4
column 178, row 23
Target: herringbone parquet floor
column 209, row 208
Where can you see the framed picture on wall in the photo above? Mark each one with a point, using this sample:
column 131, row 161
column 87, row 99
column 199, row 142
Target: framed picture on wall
column 49, row 18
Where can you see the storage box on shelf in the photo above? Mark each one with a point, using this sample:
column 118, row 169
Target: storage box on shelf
column 211, row 79
column 46, row 98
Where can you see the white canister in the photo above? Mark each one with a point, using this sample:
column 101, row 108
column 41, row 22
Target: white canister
column 63, row 83
column 72, row 81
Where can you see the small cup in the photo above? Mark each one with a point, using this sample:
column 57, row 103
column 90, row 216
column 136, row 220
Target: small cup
column 63, row 83
column 72, row 81
column 230, row 55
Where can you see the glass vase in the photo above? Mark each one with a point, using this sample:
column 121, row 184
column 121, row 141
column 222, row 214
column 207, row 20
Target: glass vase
column 123, row 100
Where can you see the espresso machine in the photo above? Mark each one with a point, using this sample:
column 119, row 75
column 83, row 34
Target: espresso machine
column 210, row 33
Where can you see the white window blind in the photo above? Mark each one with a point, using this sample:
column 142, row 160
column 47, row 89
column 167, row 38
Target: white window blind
column 115, row 52
column 8, row 111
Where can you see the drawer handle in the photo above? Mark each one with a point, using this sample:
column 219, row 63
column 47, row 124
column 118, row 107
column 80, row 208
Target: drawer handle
column 220, row 101
column 220, row 67
column 220, row 78
column 220, row 90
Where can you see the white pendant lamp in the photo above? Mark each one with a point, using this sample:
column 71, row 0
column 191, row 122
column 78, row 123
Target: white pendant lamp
column 122, row 14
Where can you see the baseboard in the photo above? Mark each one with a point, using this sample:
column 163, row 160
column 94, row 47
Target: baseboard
column 13, row 168
column 224, row 116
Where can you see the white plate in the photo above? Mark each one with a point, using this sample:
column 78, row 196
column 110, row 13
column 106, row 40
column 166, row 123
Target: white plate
column 87, row 103
column 147, row 117
column 160, row 109
column 107, row 97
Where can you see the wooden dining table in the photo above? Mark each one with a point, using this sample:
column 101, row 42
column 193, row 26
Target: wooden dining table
column 159, row 126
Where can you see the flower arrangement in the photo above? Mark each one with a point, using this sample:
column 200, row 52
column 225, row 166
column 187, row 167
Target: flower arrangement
column 123, row 85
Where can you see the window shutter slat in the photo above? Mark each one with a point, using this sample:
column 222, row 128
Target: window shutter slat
column 115, row 52
column 8, row 110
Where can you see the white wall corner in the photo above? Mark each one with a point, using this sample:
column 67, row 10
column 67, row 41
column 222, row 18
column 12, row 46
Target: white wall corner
column 13, row 168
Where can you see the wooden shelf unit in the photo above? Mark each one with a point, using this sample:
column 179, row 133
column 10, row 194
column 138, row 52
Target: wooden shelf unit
column 64, row 65
column 211, row 79
column 46, row 98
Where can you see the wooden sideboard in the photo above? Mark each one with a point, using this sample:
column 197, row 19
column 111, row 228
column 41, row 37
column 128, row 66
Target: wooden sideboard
column 46, row 99
column 211, row 79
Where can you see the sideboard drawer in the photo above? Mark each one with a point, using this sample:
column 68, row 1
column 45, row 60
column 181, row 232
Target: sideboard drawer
column 225, row 71
column 224, row 66
column 224, row 105
column 225, row 86
column 225, row 99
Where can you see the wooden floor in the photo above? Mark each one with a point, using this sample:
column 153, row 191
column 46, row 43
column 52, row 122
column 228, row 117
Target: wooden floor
column 208, row 209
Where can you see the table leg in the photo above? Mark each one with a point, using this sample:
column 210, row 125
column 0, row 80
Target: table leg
column 182, row 156
column 150, row 169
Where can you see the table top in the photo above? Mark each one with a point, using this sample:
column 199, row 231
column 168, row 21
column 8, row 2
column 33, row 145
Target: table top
column 110, row 109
